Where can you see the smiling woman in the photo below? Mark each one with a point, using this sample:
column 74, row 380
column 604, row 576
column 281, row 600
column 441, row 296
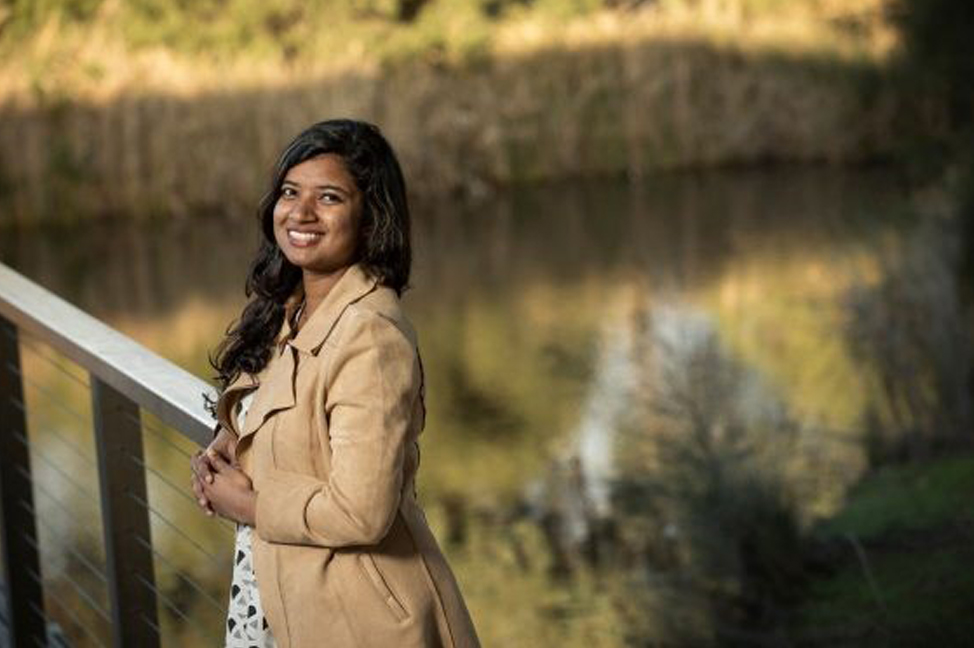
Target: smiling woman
column 320, row 411
column 316, row 217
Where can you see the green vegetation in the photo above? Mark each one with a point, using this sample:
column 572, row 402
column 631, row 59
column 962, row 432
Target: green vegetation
column 901, row 547
column 293, row 29
column 290, row 30
column 908, row 498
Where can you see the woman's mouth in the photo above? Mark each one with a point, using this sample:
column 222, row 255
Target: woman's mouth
column 302, row 239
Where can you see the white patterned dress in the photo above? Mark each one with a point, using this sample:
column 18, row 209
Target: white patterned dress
column 246, row 625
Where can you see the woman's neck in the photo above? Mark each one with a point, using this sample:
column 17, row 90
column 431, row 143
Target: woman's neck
column 316, row 288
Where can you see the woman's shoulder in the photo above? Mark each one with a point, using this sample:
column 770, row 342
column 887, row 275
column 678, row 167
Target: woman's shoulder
column 380, row 308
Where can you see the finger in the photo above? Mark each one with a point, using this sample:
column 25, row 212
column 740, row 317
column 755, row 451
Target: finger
column 199, row 490
column 219, row 464
column 209, row 509
column 222, row 450
column 201, row 498
column 204, row 468
column 197, row 461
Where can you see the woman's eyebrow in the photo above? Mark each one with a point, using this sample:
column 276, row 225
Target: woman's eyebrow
column 334, row 187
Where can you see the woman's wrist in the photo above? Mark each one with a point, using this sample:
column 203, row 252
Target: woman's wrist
column 250, row 509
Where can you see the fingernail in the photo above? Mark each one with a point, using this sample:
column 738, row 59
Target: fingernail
column 202, row 502
column 209, row 479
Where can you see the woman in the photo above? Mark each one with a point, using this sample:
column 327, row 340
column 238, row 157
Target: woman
column 320, row 409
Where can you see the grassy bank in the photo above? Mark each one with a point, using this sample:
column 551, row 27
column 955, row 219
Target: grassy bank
column 122, row 108
column 893, row 571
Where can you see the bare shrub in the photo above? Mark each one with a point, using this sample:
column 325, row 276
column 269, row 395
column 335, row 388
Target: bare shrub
column 707, row 485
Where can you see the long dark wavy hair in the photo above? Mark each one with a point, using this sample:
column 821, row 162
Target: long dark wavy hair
column 383, row 250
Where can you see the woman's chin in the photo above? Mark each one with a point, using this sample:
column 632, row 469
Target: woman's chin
column 318, row 266
column 306, row 258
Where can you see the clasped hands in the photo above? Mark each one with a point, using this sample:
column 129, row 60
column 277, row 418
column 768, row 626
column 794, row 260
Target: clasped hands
column 218, row 483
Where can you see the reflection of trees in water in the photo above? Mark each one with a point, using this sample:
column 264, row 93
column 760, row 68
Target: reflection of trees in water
column 709, row 470
column 681, row 228
column 713, row 478
column 486, row 414
column 699, row 541
column 681, row 532
column 909, row 334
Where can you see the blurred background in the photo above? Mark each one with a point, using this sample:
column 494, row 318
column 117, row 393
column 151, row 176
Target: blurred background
column 693, row 288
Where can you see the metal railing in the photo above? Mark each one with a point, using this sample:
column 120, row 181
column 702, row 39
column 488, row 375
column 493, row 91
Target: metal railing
column 124, row 379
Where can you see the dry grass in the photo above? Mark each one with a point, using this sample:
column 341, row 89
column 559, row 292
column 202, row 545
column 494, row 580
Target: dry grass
column 93, row 126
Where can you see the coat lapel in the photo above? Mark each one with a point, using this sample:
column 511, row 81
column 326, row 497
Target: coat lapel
column 352, row 286
column 227, row 401
column 276, row 391
column 277, row 383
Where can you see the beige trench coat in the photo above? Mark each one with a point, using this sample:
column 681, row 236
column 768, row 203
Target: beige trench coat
column 342, row 552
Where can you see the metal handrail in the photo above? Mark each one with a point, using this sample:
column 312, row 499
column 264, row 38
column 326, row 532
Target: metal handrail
column 124, row 378
column 168, row 391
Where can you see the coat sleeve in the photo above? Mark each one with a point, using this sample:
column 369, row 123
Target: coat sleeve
column 372, row 385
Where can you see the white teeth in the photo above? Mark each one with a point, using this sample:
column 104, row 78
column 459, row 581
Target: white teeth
column 304, row 236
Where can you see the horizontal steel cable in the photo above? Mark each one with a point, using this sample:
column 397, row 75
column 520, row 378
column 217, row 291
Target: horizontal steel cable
column 157, row 433
column 43, row 616
column 40, row 455
column 219, row 607
column 184, row 492
column 151, row 623
column 74, row 617
column 35, row 348
column 24, row 504
column 57, row 400
column 74, row 447
column 181, row 491
column 78, row 589
column 73, row 515
column 172, row 526
column 172, row 606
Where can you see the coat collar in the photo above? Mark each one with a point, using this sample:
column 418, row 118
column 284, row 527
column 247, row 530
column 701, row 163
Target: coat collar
column 354, row 284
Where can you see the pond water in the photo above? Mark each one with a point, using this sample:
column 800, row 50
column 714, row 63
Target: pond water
column 608, row 364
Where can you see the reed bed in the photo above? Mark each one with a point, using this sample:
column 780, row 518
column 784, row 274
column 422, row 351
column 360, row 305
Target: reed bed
column 110, row 129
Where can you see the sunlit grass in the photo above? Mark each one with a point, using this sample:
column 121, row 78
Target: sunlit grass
column 125, row 47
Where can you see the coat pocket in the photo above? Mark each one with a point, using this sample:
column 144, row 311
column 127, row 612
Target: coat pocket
column 381, row 587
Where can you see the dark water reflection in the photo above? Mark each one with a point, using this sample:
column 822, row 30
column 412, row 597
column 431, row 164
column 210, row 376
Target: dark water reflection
column 600, row 357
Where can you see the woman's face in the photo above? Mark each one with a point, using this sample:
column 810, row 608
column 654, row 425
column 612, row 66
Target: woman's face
column 318, row 215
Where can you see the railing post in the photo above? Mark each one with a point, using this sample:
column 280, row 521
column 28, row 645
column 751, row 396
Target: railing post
column 125, row 518
column 25, row 594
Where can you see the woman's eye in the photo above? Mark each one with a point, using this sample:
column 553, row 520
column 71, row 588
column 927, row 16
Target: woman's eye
column 288, row 192
column 330, row 198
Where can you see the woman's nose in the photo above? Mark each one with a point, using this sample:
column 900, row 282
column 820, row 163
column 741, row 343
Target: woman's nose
column 303, row 210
